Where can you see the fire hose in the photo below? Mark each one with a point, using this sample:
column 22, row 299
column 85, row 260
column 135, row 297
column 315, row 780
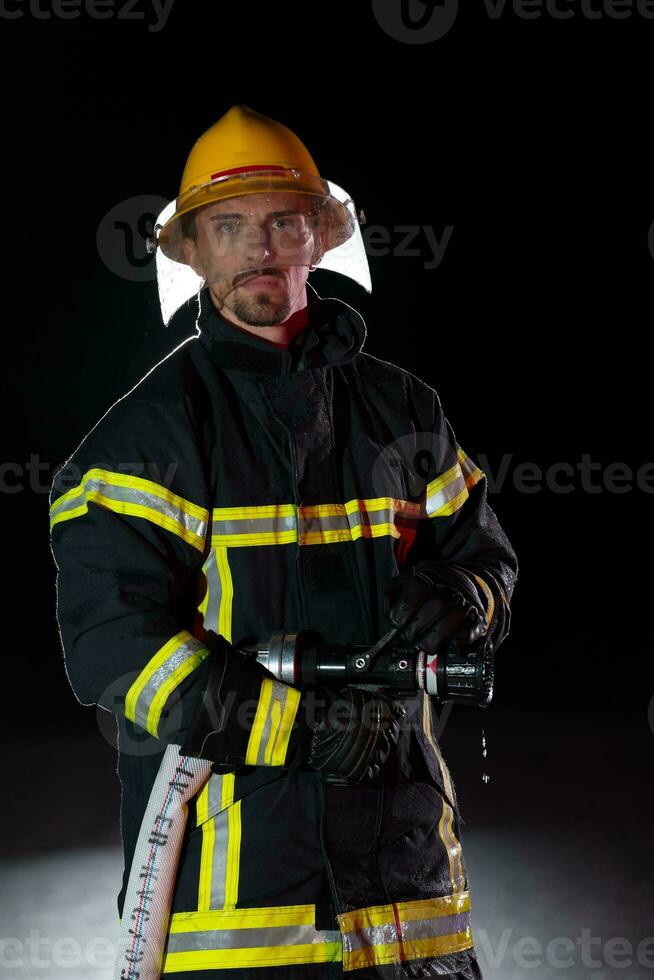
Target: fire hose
column 461, row 675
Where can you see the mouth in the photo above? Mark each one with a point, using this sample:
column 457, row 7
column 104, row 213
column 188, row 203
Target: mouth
column 263, row 281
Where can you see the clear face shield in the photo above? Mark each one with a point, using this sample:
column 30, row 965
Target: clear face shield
column 253, row 238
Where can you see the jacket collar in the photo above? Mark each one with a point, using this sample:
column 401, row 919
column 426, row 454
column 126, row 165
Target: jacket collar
column 334, row 335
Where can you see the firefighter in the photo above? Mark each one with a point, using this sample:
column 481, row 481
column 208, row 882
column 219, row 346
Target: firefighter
column 261, row 479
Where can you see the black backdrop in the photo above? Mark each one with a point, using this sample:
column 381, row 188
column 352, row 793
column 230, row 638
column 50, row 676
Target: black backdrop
column 522, row 141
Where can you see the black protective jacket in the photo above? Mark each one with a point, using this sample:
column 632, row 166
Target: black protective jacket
column 246, row 489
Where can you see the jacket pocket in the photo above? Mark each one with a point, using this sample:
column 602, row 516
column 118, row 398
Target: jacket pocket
column 223, row 789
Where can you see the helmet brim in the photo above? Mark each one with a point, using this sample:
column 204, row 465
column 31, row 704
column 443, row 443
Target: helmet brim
column 334, row 221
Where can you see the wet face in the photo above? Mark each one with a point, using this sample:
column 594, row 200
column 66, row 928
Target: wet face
column 255, row 253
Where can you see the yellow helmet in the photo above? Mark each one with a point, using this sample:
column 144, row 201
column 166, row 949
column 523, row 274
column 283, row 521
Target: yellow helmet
column 248, row 153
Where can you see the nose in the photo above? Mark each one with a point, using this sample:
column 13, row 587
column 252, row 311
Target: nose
column 259, row 247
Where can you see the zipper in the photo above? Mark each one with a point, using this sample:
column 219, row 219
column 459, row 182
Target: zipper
column 304, row 606
column 350, row 555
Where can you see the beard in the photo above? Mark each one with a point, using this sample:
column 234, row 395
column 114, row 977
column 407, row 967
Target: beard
column 259, row 310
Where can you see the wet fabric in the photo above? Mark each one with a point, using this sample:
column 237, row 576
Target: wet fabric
column 247, row 489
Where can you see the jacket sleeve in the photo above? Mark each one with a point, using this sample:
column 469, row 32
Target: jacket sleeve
column 130, row 530
column 459, row 525
column 129, row 524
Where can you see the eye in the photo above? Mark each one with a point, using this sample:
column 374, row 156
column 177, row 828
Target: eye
column 228, row 227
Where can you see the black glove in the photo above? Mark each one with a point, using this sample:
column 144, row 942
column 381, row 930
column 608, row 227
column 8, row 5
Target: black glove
column 221, row 728
column 354, row 732
column 434, row 603
column 349, row 734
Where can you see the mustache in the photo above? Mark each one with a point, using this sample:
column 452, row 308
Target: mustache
column 266, row 271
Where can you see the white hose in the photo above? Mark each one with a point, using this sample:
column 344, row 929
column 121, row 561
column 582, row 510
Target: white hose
column 148, row 898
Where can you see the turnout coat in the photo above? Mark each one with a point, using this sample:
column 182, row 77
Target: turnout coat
column 247, row 489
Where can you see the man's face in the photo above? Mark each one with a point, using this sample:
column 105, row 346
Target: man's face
column 255, row 253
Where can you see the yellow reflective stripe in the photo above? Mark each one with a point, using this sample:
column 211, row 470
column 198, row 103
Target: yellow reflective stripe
column 135, row 497
column 359, row 531
column 226, row 593
column 207, row 849
column 384, row 503
column 251, row 957
column 245, row 540
column 148, row 694
column 444, row 480
column 221, row 830
column 383, row 954
column 167, row 688
column 257, row 918
column 227, row 532
column 276, row 711
column 408, row 911
column 260, row 937
column 470, row 470
column 427, row 927
column 446, row 822
column 259, row 723
column 283, row 734
column 490, row 599
column 136, row 483
column 246, row 513
column 448, row 492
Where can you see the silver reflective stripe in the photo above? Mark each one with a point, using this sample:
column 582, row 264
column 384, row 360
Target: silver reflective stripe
column 247, row 938
column 130, row 495
column 214, row 794
column 437, row 500
column 215, row 590
column 156, row 682
column 440, row 925
column 219, row 817
column 254, row 525
column 306, row 522
column 345, row 522
column 279, row 696
column 219, row 859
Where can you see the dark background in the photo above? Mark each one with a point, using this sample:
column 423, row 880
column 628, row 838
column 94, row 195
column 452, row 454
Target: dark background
column 532, row 138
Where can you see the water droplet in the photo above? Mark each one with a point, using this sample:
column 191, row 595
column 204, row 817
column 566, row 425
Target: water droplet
column 485, row 778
